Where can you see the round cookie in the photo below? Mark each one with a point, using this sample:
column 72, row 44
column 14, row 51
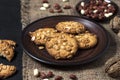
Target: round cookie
column 40, row 36
column 70, row 27
column 86, row 40
column 62, row 46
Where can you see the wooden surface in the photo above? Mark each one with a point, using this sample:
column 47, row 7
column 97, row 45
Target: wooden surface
column 92, row 71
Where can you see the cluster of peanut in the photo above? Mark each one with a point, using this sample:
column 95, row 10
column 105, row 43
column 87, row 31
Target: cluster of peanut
column 50, row 74
column 55, row 8
column 97, row 9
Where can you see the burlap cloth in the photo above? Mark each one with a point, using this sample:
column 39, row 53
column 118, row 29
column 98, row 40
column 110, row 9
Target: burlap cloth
column 92, row 71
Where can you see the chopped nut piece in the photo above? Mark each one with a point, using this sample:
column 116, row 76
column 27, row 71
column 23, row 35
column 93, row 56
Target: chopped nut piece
column 59, row 11
column 43, row 75
column 82, row 3
column 65, row 0
column 4, row 67
column 105, row 10
column 109, row 5
column 82, row 11
column 67, row 7
column 33, row 38
column 73, row 77
column 58, row 78
column 64, row 43
column 95, row 11
column 62, row 47
column 50, row 74
column 57, row 6
column 42, row 8
column 51, row 10
column 108, row 14
column 46, row 5
column 36, row 72
column 46, row 79
column 108, row 1
column 41, row 47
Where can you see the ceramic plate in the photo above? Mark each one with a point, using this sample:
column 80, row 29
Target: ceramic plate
column 81, row 57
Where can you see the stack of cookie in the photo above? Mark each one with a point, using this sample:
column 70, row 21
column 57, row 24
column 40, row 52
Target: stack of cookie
column 64, row 41
column 7, row 51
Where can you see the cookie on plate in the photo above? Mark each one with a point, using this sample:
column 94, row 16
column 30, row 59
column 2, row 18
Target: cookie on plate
column 70, row 27
column 40, row 36
column 6, row 70
column 86, row 40
column 7, row 49
column 63, row 46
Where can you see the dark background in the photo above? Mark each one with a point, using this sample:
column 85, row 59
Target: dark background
column 10, row 28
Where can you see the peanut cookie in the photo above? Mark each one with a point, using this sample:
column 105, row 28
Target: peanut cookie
column 40, row 36
column 70, row 27
column 86, row 40
column 63, row 46
column 6, row 70
column 7, row 49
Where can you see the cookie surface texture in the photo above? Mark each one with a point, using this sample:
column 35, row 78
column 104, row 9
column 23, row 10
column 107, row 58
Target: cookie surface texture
column 86, row 40
column 70, row 27
column 40, row 36
column 7, row 49
column 63, row 46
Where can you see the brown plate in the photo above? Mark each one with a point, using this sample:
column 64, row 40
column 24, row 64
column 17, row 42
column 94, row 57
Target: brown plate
column 81, row 57
column 96, row 19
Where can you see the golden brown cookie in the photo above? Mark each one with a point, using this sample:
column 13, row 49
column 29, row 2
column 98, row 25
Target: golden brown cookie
column 70, row 27
column 7, row 49
column 40, row 36
column 6, row 70
column 86, row 40
column 63, row 46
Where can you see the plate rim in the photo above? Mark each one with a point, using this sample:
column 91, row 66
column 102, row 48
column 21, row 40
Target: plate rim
column 73, row 64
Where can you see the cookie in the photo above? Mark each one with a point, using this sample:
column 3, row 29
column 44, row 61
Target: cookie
column 6, row 70
column 70, row 27
column 40, row 36
column 62, row 46
column 86, row 40
column 7, row 49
